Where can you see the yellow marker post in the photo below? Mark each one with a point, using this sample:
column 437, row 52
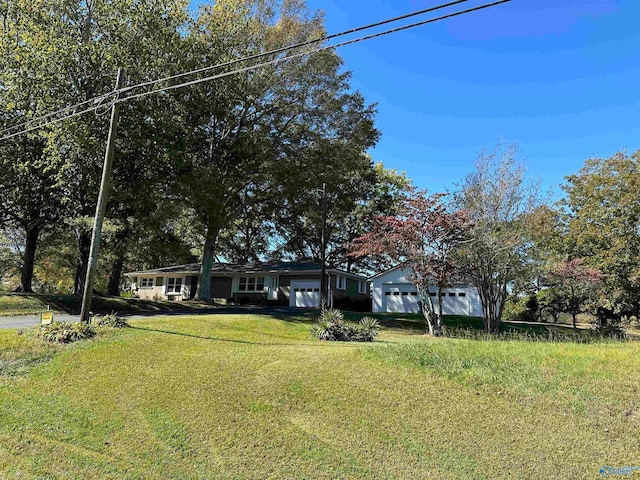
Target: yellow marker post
column 46, row 318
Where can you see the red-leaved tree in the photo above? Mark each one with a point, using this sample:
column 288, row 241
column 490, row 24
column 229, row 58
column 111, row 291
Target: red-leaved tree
column 422, row 236
column 577, row 282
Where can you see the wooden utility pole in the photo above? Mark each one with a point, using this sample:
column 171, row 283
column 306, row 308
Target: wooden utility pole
column 323, row 253
column 102, row 203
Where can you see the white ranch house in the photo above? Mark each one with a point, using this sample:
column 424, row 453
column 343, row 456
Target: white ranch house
column 295, row 284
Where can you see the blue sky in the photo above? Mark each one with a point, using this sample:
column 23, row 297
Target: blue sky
column 559, row 77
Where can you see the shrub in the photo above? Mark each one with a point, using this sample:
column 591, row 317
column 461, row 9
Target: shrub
column 65, row 332
column 515, row 309
column 367, row 330
column 611, row 330
column 630, row 321
column 112, row 320
column 331, row 325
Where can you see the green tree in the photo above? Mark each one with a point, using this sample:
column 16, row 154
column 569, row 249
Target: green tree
column 65, row 51
column 356, row 194
column 551, row 302
column 603, row 226
column 577, row 283
column 29, row 181
column 241, row 132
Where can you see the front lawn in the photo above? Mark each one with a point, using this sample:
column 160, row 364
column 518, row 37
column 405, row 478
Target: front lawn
column 248, row 396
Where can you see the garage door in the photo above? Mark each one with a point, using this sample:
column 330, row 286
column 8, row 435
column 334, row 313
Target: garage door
column 455, row 303
column 305, row 293
column 401, row 299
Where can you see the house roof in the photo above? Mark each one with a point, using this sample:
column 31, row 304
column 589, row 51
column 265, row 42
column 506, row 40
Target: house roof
column 385, row 272
column 262, row 267
column 461, row 280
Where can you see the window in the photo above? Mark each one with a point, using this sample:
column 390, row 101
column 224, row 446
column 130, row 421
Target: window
column 362, row 287
column 405, row 294
column 396, row 293
column 146, row 282
column 174, row 285
column 341, row 282
column 387, row 293
column 414, row 294
column 251, row 284
column 462, row 294
column 432, row 294
column 452, row 294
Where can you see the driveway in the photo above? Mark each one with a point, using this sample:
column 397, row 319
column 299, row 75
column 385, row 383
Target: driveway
column 24, row 321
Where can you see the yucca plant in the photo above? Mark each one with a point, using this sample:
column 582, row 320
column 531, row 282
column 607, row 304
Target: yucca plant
column 331, row 325
column 368, row 329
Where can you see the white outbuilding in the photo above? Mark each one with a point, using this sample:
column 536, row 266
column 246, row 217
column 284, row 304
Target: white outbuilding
column 393, row 291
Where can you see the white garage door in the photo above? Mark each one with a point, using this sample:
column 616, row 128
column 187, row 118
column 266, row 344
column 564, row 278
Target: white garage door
column 400, row 299
column 455, row 302
column 305, row 293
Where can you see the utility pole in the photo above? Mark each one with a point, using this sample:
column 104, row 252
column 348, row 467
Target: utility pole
column 323, row 254
column 102, row 203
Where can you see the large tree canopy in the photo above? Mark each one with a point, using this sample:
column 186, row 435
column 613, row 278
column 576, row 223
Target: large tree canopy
column 603, row 226
column 244, row 135
column 60, row 52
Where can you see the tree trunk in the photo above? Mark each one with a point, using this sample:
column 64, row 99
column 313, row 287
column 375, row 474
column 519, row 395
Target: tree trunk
column 114, row 277
column 428, row 311
column 573, row 318
column 26, row 275
column 84, row 245
column 208, row 257
column 349, row 264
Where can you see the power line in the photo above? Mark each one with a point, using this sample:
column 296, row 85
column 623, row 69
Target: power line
column 51, row 122
column 298, row 45
column 99, row 99
column 303, row 54
column 253, row 67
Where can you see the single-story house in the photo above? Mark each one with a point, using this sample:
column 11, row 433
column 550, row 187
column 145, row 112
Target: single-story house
column 393, row 291
column 295, row 284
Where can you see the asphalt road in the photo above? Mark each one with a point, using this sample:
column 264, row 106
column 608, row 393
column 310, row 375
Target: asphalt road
column 24, row 321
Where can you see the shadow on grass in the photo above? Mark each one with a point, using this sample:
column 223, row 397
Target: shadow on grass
column 101, row 304
column 246, row 342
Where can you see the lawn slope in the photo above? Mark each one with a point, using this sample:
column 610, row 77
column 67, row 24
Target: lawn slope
column 241, row 396
column 35, row 303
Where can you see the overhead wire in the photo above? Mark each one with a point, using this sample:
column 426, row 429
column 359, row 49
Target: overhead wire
column 100, row 98
column 303, row 54
column 301, row 44
column 95, row 100
column 118, row 98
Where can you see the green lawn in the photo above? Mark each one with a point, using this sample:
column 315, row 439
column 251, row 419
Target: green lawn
column 33, row 303
column 246, row 396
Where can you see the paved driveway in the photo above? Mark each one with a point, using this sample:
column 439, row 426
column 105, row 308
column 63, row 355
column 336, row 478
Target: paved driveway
column 23, row 321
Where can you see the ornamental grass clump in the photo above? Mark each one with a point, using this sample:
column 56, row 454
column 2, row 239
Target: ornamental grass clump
column 112, row 320
column 65, row 332
column 332, row 326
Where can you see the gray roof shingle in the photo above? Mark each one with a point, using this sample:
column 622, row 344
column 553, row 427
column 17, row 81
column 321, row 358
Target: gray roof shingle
column 219, row 267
